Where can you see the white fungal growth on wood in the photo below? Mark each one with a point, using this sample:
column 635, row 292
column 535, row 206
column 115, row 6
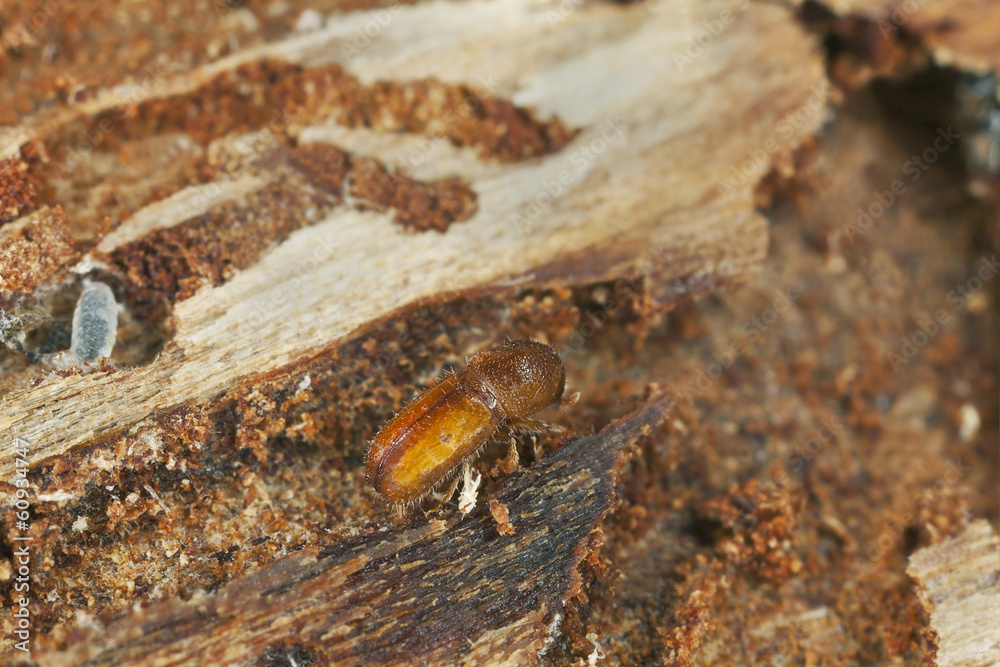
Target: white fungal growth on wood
column 95, row 323
column 598, row 652
column 467, row 499
column 969, row 422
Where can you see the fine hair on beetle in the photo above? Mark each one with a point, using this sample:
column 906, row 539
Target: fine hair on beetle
column 447, row 425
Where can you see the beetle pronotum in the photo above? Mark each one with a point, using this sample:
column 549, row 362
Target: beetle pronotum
column 449, row 422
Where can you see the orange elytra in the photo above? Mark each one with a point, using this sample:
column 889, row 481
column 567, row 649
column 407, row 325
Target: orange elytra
column 449, row 422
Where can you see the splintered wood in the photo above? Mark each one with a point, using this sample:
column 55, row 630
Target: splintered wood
column 437, row 591
column 958, row 584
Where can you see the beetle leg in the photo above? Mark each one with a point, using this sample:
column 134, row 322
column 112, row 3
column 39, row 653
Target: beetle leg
column 513, row 461
column 535, row 448
column 448, row 494
column 533, row 426
column 570, row 400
